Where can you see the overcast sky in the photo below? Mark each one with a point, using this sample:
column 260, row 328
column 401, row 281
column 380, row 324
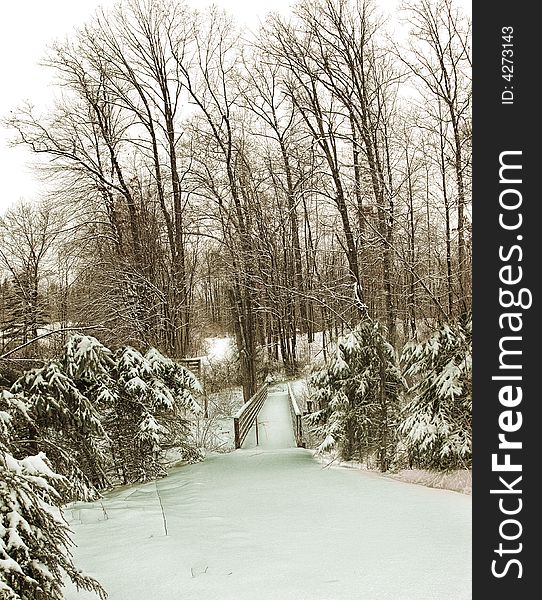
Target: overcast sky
column 26, row 28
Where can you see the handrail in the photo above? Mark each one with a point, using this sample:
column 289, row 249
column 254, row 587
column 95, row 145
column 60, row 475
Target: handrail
column 247, row 415
column 296, row 418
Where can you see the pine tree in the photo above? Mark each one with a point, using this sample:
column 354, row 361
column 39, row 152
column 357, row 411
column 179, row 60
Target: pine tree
column 101, row 416
column 358, row 395
column 66, row 425
column 437, row 421
column 182, row 386
column 34, row 537
column 148, row 400
column 86, row 360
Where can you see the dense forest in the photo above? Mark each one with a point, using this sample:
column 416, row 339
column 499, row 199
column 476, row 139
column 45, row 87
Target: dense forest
column 308, row 183
column 271, row 185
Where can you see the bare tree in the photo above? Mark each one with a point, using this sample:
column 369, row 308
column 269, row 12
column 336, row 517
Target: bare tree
column 270, row 187
column 440, row 58
column 27, row 235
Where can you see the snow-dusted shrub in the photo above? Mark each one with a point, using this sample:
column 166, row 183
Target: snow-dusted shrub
column 436, row 423
column 357, row 397
column 34, row 538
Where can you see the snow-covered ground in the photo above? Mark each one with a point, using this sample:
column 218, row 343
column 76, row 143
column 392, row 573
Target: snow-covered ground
column 460, row 480
column 269, row 523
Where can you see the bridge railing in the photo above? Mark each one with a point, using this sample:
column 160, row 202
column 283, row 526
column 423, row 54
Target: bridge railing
column 296, row 418
column 247, row 416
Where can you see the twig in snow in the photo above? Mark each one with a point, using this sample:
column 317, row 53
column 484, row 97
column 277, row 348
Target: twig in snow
column 330, row 463
column 161, row 507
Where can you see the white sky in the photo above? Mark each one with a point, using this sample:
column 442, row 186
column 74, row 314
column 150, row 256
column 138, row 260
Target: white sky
column 26, row 28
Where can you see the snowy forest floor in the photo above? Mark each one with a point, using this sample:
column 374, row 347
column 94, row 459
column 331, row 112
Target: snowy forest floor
column 269, row 523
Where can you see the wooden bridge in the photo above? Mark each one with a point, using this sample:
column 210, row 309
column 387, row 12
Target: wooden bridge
column 271, row 418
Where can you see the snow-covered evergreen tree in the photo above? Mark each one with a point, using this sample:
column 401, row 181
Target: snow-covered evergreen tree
column 34, row 537
column 61, row 427
column 181, row 384
column 147, row 403
column 100, row 416
column 86, row 360
column 65, row 424
column 358, row 396
column 437, row 421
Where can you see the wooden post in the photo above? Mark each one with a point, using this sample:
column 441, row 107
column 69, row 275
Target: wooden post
column 236, row 432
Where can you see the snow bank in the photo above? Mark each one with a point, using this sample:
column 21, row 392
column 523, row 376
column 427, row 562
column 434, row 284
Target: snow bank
column 454, row 481
column 457, row 481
